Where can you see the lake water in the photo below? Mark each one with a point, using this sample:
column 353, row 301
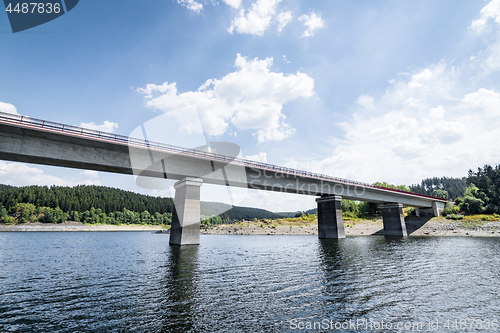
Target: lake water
column 136, row 282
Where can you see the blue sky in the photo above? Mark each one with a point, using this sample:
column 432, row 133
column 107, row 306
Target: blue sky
column 368, row 90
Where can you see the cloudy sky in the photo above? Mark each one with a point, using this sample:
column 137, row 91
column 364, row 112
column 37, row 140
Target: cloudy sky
column 393, row 91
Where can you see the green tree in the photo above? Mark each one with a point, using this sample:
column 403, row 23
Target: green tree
column 158, row 218
column 74, row 216
column 487, row 183
column 48, row 216
column 473, row 200
column 392, row 186
column 167, row 218
column 59, row 215
column 438, row 193
column 350, row 209
column 3, row 214
column 145, row 217
column 472, row 205
column 454, row 186
column 119, row 218
column 26, row 212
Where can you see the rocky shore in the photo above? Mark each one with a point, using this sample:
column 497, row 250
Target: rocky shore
column 415, row 227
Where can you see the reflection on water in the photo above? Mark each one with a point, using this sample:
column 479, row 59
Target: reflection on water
column 135, row 282
column 179, row 289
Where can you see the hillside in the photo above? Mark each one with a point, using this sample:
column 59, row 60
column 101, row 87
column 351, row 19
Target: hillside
column 109, row 203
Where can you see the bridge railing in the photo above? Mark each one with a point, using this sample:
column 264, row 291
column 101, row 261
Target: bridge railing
column 100, row 135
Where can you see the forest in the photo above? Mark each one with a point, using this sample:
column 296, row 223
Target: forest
column 454, row 186
column 99, row 204
column 478, row 193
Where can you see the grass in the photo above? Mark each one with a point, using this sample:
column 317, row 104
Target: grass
column 469, row 221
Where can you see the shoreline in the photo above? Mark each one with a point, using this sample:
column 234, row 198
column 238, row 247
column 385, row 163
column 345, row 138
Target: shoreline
column 76, row 227
column 415, row 227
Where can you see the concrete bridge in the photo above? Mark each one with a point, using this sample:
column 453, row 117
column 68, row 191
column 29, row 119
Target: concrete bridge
column 24, row 139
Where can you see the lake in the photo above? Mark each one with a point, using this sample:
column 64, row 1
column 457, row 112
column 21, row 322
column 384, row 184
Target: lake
column 136, row 282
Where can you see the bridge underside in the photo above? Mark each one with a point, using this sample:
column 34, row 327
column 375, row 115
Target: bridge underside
column 186, row 219
column 32, row 145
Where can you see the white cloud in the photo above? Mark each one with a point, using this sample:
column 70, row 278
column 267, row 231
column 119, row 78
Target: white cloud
column 484, row 100
column 422, row 126
column 440, row 120
column 250, row 98
column 233, row 3
column 191, row 5
column 257, row 20
column 312, row 22
column 436, row 113
column 283, row 19
column 91, row 174
column 9, row 108
column 20, row 174
column 366, row 101
column 490, row 11
column 107, row 126
column 261, row 157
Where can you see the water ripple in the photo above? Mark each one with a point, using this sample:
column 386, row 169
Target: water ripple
column 135, row 282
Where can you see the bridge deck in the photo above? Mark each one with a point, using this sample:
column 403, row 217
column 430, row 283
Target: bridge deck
column 89, row 134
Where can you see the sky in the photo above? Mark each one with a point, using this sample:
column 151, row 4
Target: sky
column 391, row 91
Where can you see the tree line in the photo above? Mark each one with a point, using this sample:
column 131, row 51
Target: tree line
column 482, row 195
column 454, row 186
column 100, row 204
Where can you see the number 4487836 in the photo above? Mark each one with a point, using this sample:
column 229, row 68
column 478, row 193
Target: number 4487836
column 471, row 323
column 35, row 7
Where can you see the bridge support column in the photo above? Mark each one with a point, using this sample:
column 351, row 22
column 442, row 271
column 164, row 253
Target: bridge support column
column 434, row 210
column 394, row 222
column 186, row 216
column 330, row 220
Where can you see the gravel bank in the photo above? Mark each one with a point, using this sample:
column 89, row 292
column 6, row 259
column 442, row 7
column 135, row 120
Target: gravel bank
column 415, row 227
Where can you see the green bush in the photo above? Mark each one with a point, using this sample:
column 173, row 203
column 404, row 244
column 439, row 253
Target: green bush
column 472, row 205
column 47, row 217
column 455, row 217
column 368, row 208
column 349, row 215
column 491, row 209
column 450, row 209
column 26, row 212
column 407, row 211
column 5, row 218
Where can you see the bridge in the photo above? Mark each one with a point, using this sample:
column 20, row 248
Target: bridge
column 25, row 139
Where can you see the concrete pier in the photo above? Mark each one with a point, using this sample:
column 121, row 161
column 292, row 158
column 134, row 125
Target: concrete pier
column 394, row 222
column 330, row 220
column 186, row 217
column 435, row 210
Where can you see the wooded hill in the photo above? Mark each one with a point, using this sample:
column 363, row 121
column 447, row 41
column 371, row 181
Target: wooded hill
column 108, row 204
column 454, row 186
